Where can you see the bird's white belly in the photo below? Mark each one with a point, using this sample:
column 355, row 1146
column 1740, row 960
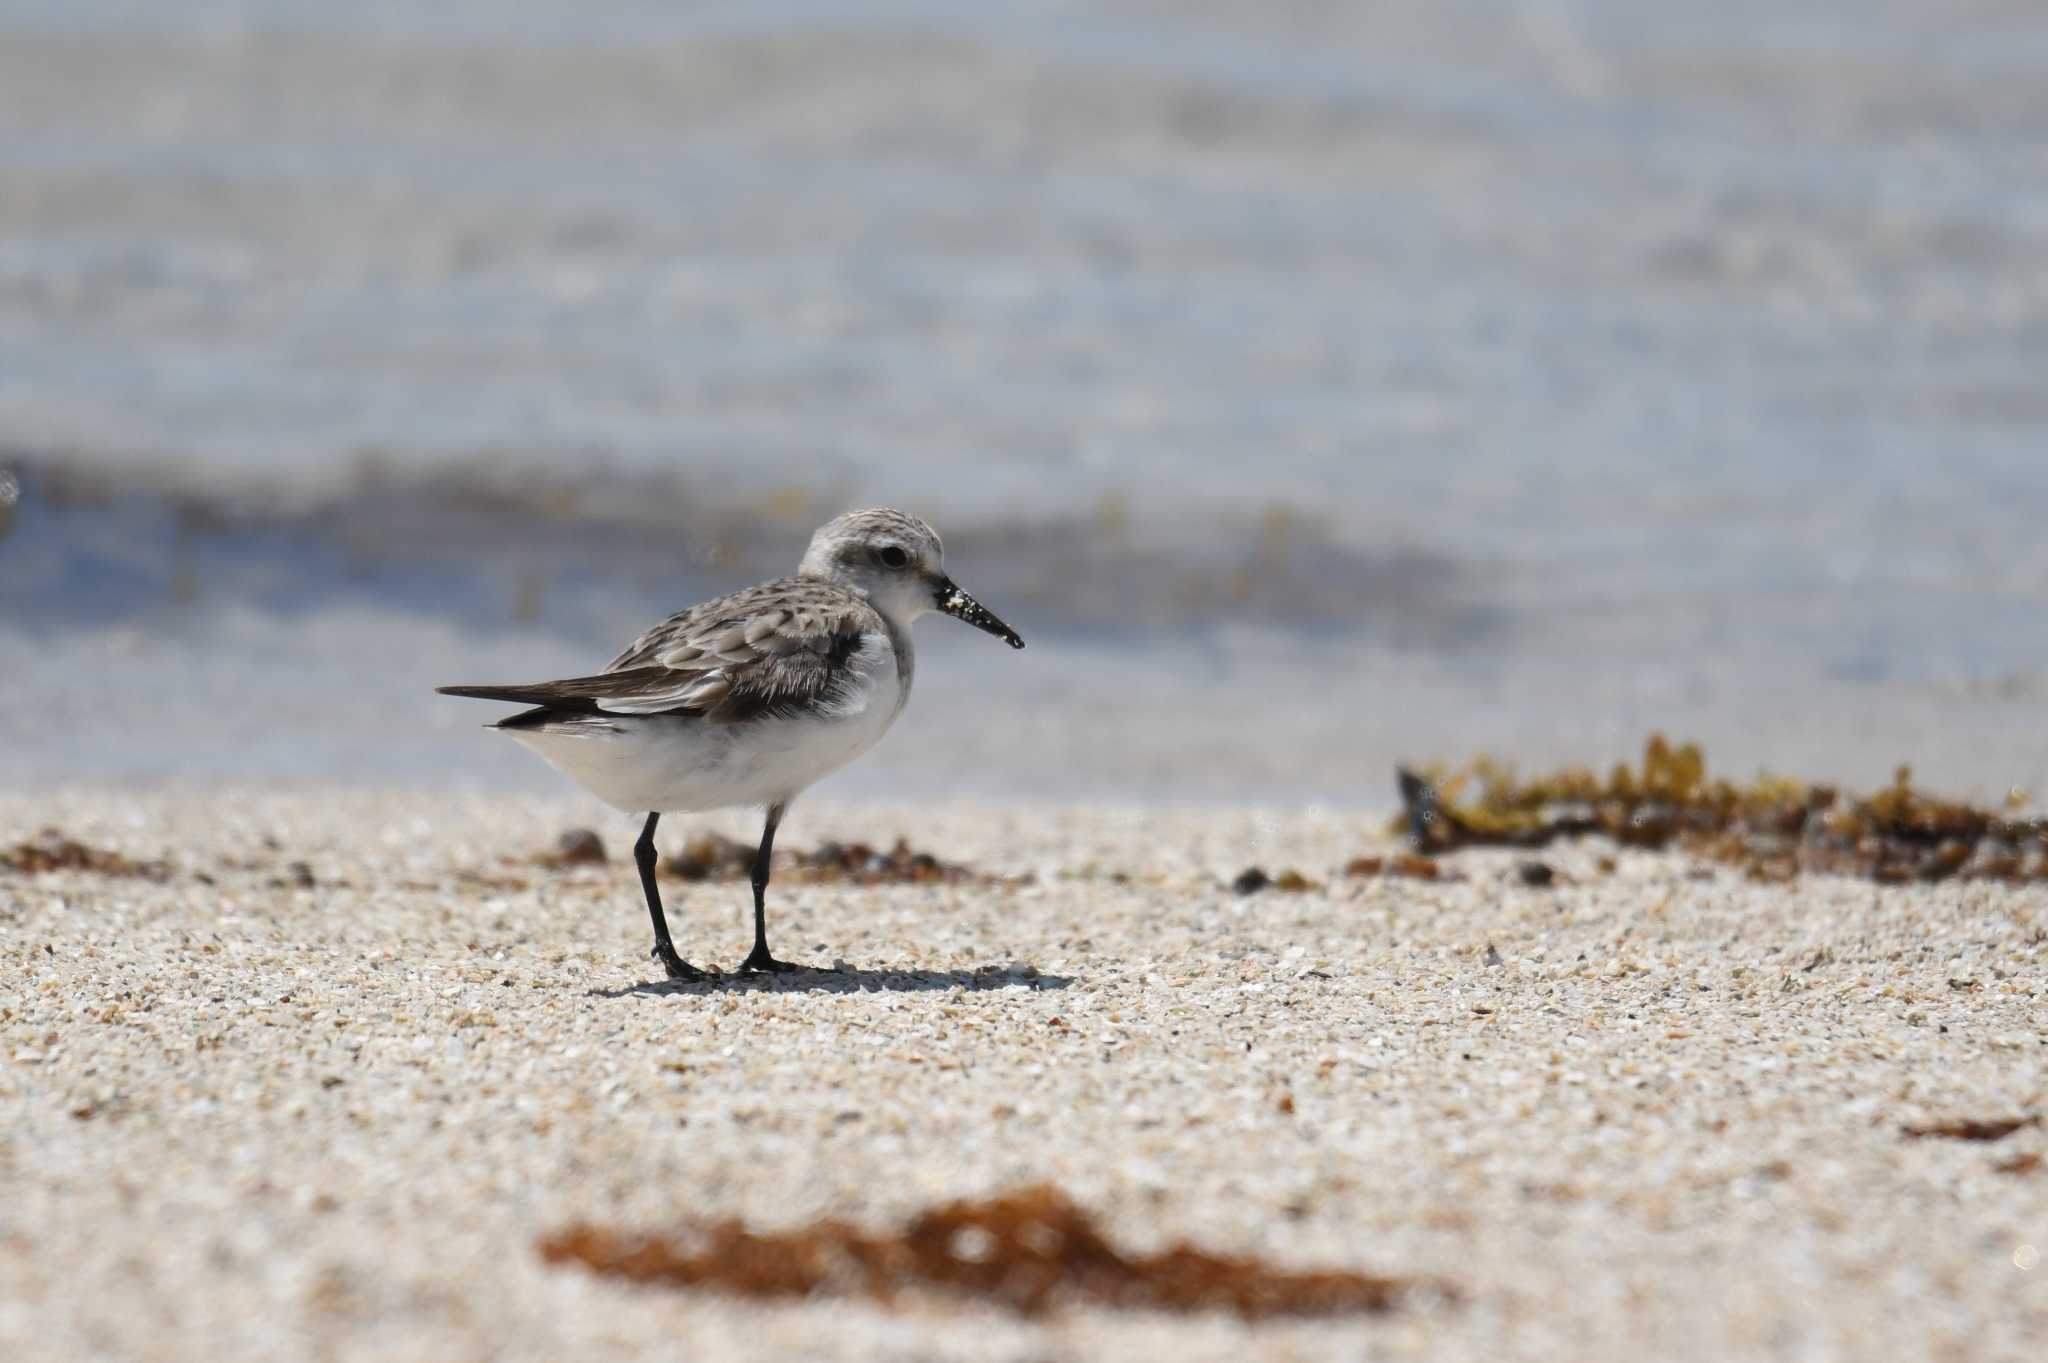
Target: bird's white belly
column 668, row 764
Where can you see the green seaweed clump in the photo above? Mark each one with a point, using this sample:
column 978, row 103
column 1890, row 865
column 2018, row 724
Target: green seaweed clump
column 1776, row 828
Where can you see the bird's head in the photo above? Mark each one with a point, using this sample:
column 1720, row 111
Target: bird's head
column 897, row 562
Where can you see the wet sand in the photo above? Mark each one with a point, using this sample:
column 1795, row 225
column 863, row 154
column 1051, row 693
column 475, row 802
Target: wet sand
column 254, row 1109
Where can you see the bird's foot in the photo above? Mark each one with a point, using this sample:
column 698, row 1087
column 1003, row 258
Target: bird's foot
column 676, row 966
column 760, row 962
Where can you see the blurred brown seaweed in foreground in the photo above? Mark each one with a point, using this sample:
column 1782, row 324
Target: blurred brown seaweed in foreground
column 1029, row 1250
column 1775, row 828
column 1974, row 1129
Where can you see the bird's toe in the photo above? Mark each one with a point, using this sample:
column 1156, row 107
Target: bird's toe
column 761, row 963
column 676, row 966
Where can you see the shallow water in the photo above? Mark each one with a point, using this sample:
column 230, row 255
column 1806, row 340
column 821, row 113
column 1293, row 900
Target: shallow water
column 1312, row 385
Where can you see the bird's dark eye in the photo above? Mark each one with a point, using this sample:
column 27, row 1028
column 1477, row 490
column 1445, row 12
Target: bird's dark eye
column 892, row 556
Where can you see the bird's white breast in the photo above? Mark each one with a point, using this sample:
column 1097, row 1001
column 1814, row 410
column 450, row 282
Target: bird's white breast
column 671, row 764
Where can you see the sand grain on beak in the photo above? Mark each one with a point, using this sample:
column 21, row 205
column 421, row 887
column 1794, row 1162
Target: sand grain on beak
column 958, row 604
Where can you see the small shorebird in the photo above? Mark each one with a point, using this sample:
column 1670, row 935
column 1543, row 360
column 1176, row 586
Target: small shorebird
column 748, row 699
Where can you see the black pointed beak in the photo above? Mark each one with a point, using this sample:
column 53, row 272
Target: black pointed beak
column 961, row 606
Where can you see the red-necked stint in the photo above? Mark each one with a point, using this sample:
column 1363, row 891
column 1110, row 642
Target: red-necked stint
column 748, row 699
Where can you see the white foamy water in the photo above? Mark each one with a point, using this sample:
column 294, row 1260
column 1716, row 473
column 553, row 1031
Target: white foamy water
column 1637, row 364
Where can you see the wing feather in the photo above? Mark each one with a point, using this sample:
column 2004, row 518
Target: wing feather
column 773, row 648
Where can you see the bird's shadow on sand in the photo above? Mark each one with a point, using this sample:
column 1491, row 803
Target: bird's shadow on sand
column 849, row 981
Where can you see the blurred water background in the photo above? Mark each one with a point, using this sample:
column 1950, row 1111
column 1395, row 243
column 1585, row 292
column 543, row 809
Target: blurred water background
column 1314, row 385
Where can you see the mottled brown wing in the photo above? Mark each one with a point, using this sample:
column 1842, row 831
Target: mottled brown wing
column 778, row 647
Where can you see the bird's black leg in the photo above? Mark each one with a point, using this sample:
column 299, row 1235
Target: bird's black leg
column 664, row 950
column 760, row 958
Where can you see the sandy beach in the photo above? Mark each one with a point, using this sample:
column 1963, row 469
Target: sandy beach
column 315, row 1076
column 1320, row 389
